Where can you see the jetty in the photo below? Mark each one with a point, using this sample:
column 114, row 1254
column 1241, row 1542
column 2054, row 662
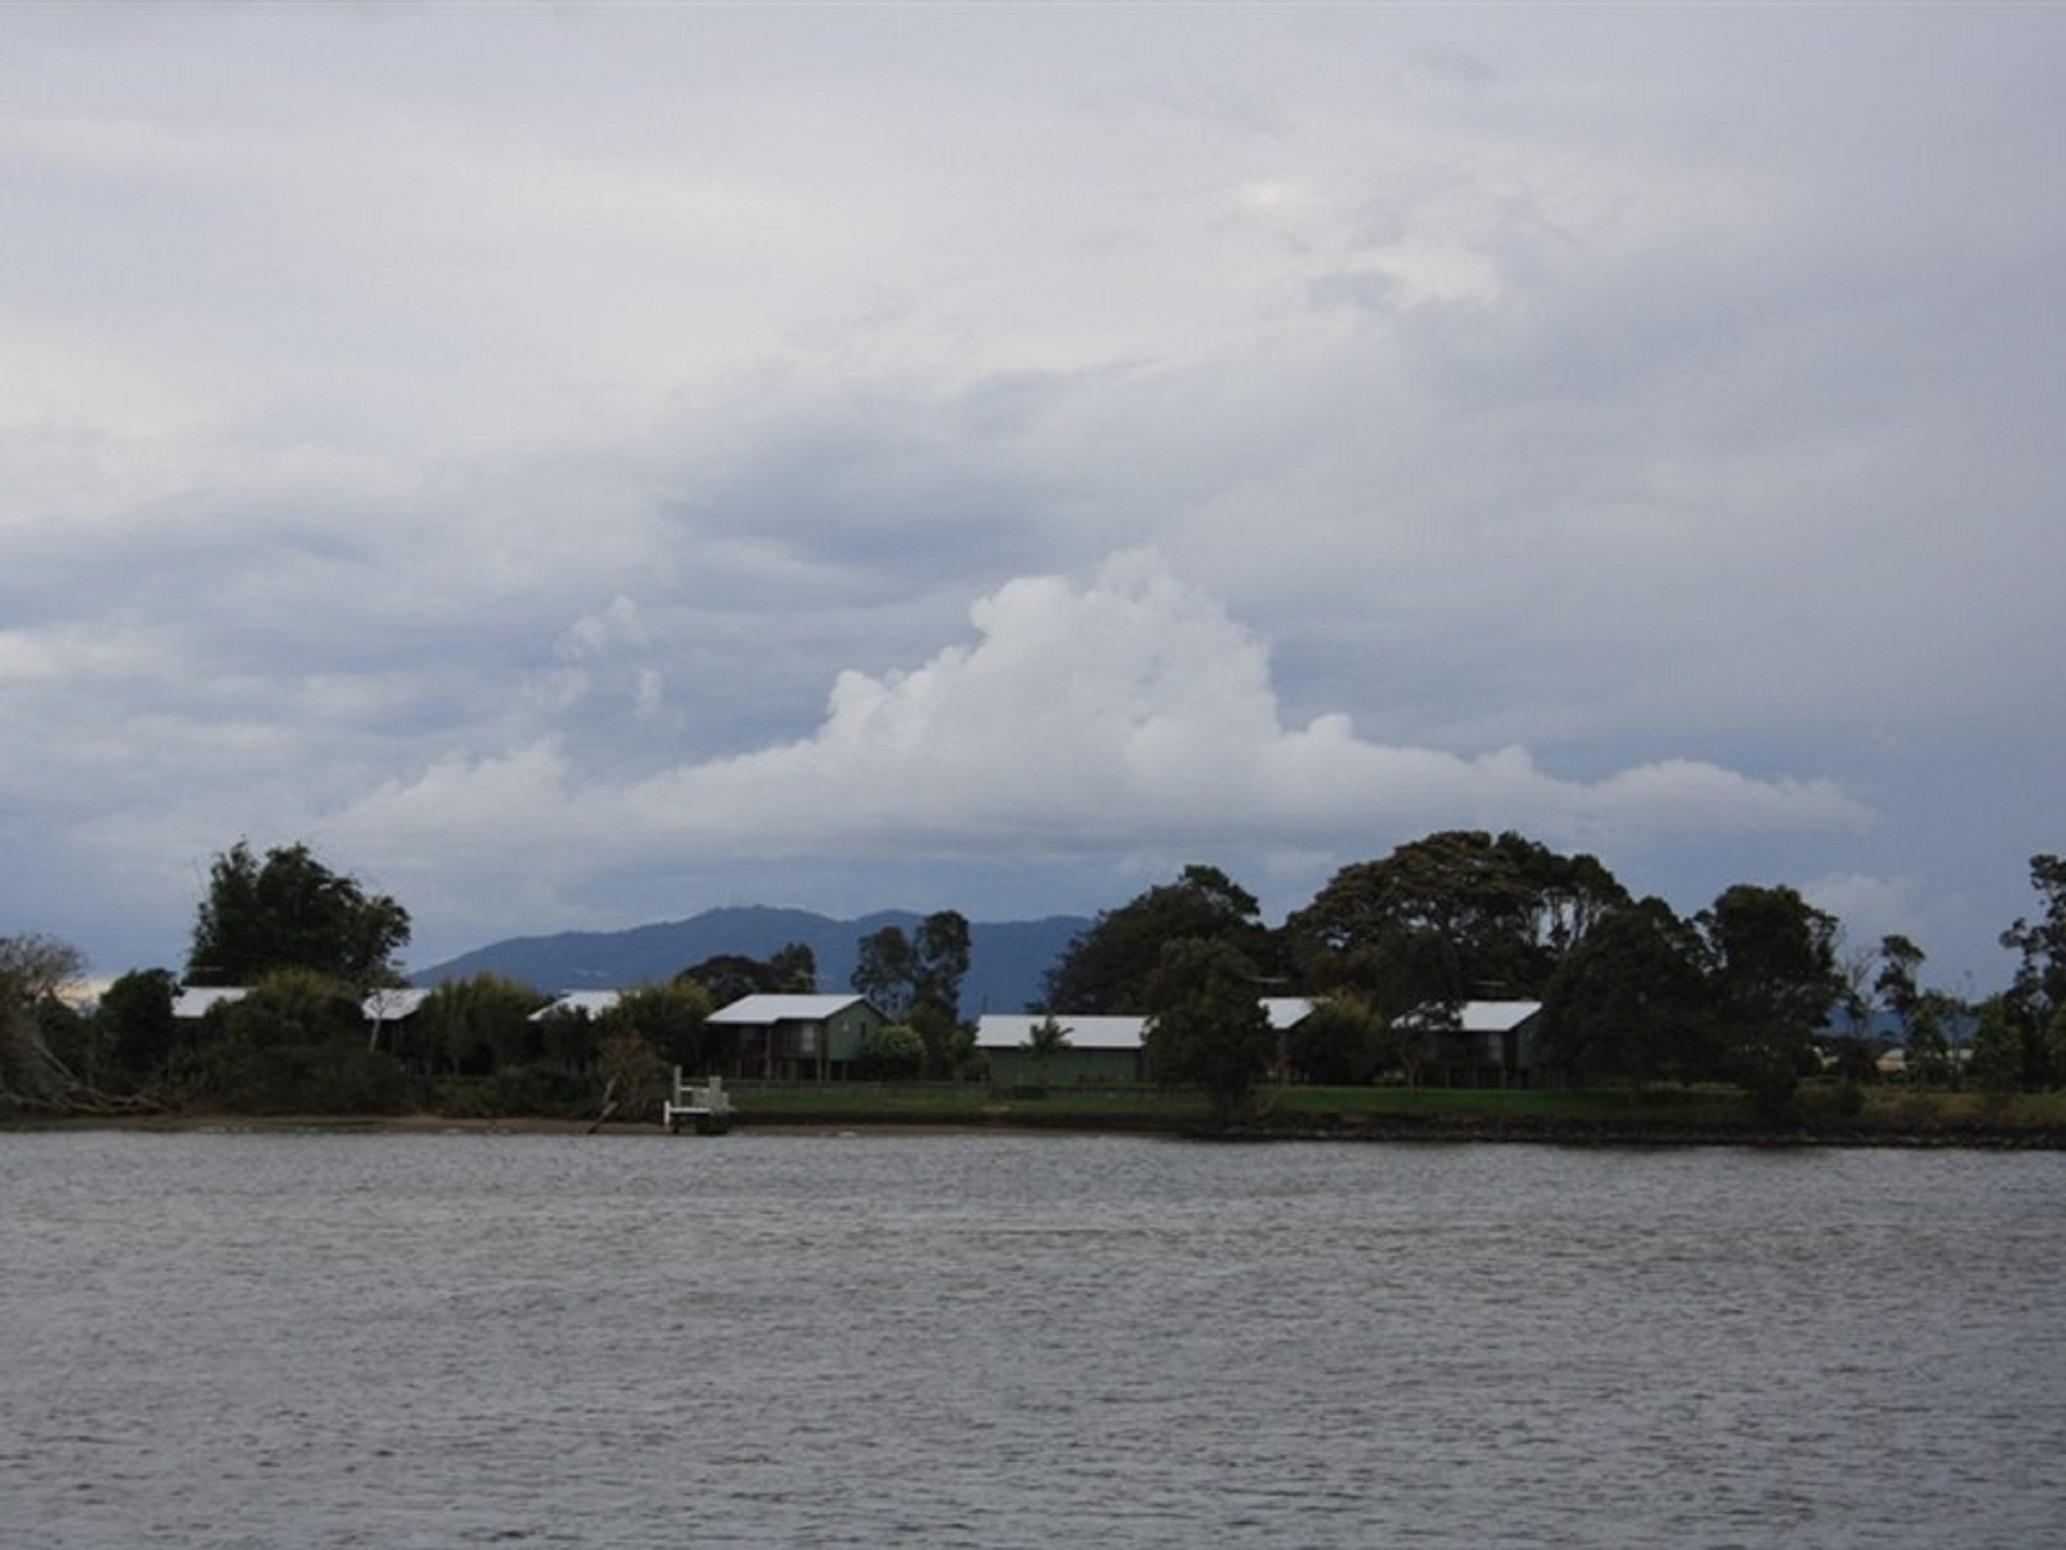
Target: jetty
column 706, row 1105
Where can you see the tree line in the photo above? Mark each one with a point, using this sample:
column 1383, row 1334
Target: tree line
column 307, row 946
column 1632, row 993
column 1741, row 991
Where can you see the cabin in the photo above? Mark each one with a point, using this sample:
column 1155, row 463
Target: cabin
column 1104, row 1049
column 390, row 1014
column 797, row 1037
column 1477, row 1044
column 1285, row 1013
column 1100, row 1050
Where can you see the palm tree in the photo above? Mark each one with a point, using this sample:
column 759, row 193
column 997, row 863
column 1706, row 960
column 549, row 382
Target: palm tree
column 1044, row 1040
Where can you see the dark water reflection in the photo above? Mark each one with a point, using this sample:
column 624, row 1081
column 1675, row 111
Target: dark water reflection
column 960, row 1340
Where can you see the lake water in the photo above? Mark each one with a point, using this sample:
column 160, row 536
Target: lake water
column 444, row 1340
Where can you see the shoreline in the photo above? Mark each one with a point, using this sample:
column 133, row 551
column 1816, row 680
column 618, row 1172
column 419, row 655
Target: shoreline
column 1390, row 1129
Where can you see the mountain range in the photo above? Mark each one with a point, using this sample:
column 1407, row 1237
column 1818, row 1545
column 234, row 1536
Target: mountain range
column 1008, row 959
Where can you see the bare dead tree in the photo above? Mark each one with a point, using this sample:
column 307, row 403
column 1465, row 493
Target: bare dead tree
column 34, row 968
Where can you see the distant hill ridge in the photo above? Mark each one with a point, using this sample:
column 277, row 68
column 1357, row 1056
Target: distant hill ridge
column 1008, row 960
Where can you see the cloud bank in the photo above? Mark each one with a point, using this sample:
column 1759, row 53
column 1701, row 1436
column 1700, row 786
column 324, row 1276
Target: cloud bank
column 473, row 440
column 1129, row 710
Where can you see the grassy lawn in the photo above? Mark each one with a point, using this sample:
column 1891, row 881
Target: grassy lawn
column 978, row 1103
column 1674, row 1104
column 974, row 1103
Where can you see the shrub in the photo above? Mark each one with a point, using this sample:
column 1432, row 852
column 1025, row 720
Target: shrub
column 634, row 1076
column 890, row 1052
column 295, row 1045
column 669, row 1018
column 534, row 1091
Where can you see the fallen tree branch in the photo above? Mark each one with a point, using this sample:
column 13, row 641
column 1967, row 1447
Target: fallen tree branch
column 609, row 1106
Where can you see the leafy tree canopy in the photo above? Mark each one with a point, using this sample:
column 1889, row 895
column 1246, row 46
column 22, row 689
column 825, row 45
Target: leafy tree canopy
column 1341, row 1041
column 295, row 1044
column 292, row 1008
column 1931, row 1024
column 892, row 1051
column 1206, row 1024
column 1773, row 975
column 1899, row 959
column 670, row 1018
column 793, row 968
column 729, row 977
column 2022, row 1037
column 1630, row 1001
column 135, row 1016
column 2040, row 985
column 1449, row 918
column 886, row 971
column 478, row 1025
column 1108, row 967
column 290, row 911
column 903, row 974
column 939, row 953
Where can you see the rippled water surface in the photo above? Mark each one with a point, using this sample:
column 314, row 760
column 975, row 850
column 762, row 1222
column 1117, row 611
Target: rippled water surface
column 431, row 1340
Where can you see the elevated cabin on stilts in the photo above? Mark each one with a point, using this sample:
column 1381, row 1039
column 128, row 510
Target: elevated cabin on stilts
column 797, row 1037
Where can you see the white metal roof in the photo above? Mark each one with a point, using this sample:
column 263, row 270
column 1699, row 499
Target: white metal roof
column 753, row 1011
column 391, row 1006
column 1009, row 1030
column 1495, row 1016
column 593, row 1002
column 1287, row 1011
column 195, row 1000
column 1474, row 1016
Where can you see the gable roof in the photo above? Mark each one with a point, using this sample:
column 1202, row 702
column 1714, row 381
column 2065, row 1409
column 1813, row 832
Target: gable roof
column 1475, row 1016
column 1009, row 1030
column 1497, row 1016
column 754, row 1011
column 1288, row 1011
column 392, row 1005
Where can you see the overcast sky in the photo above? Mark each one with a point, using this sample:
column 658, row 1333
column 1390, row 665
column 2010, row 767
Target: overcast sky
column 579, row 466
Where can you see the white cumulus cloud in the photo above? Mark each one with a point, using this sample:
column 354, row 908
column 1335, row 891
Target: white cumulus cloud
column 1088, row 717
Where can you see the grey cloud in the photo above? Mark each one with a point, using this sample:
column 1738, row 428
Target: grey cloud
column 1163, row 726
column 1459, row 66
column 885, row 488
column 1365, row 290
column 1684, row 388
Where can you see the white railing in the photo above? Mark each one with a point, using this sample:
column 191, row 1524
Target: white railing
column 702, row 1102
